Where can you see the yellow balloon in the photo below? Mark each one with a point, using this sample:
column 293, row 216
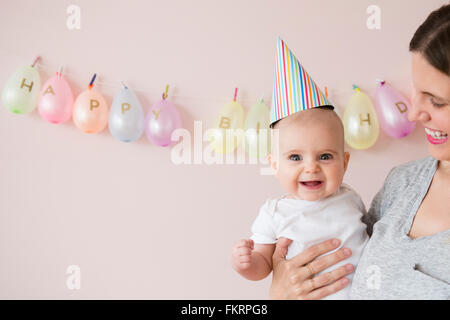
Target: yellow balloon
column 225, row 135
column 360, row 120
column 257, row 131
column 21, row 93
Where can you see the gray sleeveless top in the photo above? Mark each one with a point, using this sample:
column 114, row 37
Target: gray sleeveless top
column 394, row 266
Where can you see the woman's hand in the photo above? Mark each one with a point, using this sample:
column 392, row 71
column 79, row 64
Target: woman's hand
column 294, row 278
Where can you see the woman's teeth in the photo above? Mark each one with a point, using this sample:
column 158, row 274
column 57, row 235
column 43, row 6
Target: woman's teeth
column 436, row 134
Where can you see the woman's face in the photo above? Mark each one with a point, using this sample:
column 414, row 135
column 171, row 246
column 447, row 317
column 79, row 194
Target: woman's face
column 431, row 105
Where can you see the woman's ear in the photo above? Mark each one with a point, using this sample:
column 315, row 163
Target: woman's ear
column 346, row 159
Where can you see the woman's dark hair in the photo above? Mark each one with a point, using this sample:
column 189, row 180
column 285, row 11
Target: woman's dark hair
column 432, row 39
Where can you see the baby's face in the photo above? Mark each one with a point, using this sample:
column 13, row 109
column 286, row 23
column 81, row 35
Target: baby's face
column 311, row 159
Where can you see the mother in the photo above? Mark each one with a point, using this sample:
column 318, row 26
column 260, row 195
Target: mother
column 408, row 255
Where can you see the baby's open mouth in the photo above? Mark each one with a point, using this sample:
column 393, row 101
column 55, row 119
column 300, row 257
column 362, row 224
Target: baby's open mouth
column 312, row 184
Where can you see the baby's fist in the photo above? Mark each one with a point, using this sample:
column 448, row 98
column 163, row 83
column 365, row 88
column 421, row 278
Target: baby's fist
column 242, row 254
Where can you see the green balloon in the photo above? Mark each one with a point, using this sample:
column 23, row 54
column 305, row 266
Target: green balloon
column 21, row 92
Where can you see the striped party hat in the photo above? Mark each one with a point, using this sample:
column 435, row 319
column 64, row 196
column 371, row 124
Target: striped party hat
column 293, row 90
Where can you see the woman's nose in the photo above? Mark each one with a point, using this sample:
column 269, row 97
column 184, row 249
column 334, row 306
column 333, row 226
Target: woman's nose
column 417, row 112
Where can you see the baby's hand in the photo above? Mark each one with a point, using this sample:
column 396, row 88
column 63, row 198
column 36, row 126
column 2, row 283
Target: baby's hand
column 242, row 254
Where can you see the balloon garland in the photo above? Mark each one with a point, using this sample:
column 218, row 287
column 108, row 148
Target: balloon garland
column 127, row 122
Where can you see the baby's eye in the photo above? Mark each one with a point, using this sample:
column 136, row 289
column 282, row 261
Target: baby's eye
column 326, row 156
column 295, row 157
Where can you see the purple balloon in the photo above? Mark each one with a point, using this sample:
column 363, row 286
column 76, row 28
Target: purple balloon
column 392, row 109
column 161, row 120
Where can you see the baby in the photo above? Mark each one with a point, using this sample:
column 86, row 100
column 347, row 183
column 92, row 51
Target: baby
column 310, row 162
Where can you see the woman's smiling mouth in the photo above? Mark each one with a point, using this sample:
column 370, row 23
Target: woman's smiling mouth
column 436, row 136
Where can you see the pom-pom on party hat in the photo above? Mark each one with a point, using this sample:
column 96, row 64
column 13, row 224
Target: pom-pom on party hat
column 293, row 89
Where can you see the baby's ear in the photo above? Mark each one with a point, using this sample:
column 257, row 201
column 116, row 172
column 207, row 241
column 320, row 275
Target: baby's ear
column 273, row 163
column 346, row 159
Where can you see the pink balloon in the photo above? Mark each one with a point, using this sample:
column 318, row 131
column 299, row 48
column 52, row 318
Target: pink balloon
column 161, row 120
column 392, row 109
column 56, row 100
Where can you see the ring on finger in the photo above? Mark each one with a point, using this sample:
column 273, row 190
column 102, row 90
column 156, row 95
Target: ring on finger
column 310, row 270
column 313, row 284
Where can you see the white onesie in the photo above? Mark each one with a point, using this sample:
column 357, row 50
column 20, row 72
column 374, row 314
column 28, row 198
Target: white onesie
column 311, row 222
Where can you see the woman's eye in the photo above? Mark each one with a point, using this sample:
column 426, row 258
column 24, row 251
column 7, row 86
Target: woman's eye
column 295, row 157
column 434, row 103
column 326, row 156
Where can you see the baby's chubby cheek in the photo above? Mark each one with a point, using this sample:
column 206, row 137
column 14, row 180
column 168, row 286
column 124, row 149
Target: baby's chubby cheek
column 334, row 181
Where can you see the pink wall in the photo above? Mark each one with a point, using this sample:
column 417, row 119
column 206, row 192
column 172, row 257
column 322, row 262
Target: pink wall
column 138, row 225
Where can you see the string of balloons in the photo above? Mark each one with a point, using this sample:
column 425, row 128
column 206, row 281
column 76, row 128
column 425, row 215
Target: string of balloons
column 127, row 121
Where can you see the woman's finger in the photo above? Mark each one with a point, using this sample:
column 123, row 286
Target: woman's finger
column 313, row 252
column 330, row 277
column 327, row 261
column 327, row 290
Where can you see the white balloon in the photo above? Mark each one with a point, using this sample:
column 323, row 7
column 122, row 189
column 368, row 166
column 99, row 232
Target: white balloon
column 126, row 116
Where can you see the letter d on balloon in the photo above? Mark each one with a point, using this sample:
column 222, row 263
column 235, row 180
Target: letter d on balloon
column 399, row 107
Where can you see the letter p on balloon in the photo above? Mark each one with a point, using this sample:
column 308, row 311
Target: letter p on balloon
column 125, row 107
column 93, row 104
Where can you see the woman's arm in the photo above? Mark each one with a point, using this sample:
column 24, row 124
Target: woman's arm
column 294, row 278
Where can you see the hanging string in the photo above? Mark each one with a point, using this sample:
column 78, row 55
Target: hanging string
column 35, row 61
column 59, row 73
column 380, row 82
column 261, row 99
column 91, row 84
column 114, row 84
column 164, row 96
